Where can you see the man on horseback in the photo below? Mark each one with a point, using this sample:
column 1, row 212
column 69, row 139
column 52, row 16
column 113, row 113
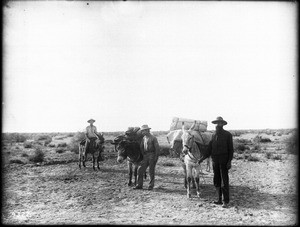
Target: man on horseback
column 91, row 135
column 220, row 148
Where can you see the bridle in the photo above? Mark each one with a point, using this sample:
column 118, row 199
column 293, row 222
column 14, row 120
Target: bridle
column 139, row 157
column 192, row 157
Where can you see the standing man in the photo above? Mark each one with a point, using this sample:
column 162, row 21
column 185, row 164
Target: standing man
column 91, row 134
column 150, row 150
column 221, row 150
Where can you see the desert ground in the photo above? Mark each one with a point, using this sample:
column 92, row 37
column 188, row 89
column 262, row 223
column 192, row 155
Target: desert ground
column 42, row 184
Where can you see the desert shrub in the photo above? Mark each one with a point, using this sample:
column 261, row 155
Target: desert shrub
column 14, row 137
column 292, row 144
column 62, row 144
column 51, row 145
column 38, row 155
column 17, row 161
column 252, row 158
column 42, row 137
column 24, row 155
column 265, row 140
column 60, row 150
column 43, row 140
column 164, row 150
column 27, row 145
column 268, row 154
column 168, row 164
column 256, row 147
column 240, row 147
column 277, row 157
column 73, row 146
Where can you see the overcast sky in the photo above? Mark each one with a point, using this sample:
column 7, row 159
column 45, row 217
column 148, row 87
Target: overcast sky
column 133, row 63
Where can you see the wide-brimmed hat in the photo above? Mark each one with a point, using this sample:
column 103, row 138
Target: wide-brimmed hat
column 144, row 127
column 91, row 121
column 219, row 119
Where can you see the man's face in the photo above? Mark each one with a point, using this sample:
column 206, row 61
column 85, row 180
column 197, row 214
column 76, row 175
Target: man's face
column 145, row 132
column 219, row 125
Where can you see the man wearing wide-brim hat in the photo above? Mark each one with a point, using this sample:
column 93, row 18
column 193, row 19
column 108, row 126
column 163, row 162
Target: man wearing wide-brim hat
column 91, row 133
column 150, row 150
column 220, row 148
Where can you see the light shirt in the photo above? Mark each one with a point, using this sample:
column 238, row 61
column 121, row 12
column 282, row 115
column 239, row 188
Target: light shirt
column 150, row 144
column 91, row 131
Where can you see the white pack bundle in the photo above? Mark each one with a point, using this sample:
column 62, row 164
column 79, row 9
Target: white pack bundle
column 178, row 122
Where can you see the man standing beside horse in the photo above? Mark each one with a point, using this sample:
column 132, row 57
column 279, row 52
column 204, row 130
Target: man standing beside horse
column 150, row 150
column 220, row 148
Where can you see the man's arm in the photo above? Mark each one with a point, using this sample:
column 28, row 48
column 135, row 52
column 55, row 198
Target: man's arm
column 205, row 156
column 230, row 147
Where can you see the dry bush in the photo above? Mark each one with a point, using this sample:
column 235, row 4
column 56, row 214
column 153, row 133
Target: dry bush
column 38, row 155
column 17, row 161
column 14, row 137
column 168, row 164
column 27, row 144
column 164, row 150
column 62, row 144
column 277, row 157
column 51, row 145
column 240, row 148
column 268, row 154
column 60, row 150
column 253, row 158
column 73, row 146
column 260, row 139
column 24, row 155
column 43, row 139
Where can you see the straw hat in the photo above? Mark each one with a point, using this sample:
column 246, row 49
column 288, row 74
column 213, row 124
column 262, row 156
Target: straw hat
column 219, row 119
column 144, row 127
column 91, row 121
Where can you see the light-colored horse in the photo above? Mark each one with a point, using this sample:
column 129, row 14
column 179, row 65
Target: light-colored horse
column 175, row 141
column 192, row 154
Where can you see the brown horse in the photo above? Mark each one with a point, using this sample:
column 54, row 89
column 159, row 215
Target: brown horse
column 95, row 147
column 130, row 150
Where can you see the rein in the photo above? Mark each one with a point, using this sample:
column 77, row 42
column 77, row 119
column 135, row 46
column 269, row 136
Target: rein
column 190, row 149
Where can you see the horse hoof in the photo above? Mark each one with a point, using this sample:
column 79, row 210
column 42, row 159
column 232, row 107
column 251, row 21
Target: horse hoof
column 129, row 184
column 189, row 196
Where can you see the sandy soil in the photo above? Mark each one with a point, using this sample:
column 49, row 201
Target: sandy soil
column 262, row 193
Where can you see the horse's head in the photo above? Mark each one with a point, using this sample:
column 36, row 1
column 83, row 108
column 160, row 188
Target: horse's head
column 188, row 141
column 120, row 147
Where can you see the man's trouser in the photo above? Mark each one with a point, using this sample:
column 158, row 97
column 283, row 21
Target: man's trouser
column 221, row 179
column 150, row 160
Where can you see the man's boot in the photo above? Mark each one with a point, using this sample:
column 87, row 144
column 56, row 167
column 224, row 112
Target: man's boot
column 219, row 196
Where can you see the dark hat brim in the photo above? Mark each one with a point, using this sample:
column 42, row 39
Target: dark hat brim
column 217, row 121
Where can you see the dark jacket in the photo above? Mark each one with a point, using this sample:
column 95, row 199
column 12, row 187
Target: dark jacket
column 221, row 145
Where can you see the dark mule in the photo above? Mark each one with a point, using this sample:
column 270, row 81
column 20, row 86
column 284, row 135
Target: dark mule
column 130, row 150
column 94, row 147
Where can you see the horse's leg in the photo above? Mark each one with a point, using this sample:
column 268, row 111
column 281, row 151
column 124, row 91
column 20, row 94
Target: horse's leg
column 189, row 179
column 193, row 180
column 208, row 164
column 94, row 160
column 185, row 177
column 98, row 160
column 79, row 156
column 197, row 179
column 84, row 153
column 130, row 174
